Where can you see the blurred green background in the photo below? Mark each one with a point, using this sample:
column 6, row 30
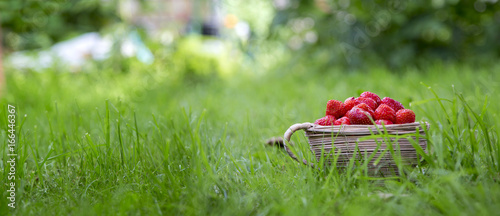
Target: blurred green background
column 395, row 33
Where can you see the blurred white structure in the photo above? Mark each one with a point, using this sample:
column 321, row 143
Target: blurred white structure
column 75, row 52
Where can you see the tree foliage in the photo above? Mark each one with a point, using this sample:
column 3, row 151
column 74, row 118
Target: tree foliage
column 29, row 24
column 395, row 32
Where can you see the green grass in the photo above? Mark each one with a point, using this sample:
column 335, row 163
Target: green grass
column 144, row 143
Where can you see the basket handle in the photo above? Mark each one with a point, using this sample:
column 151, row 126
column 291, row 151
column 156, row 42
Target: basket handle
column 288, row 136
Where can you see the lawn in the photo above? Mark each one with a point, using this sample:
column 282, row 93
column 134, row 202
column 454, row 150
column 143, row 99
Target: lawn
column 150, row 143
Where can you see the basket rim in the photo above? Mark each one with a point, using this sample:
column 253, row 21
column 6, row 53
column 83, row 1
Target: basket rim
column 340, row 128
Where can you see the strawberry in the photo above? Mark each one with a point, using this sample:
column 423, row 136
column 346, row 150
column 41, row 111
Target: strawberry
column 368, row 101
column 394, row 104
column 349, row 103
column 359, row 116
column 365, row 107
column 385, row 122
column 373, row 96
column 404, row 116
column 342, row 121
column 384, row 112
column 326, row 121
column 335, row 108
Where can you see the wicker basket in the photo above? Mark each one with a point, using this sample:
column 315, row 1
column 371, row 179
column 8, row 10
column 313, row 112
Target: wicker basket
column 352, row 140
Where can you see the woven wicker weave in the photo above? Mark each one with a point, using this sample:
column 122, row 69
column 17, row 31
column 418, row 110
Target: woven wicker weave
column 346, row 139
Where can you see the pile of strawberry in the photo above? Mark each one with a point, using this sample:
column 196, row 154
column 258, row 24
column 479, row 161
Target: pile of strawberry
column 362, row 110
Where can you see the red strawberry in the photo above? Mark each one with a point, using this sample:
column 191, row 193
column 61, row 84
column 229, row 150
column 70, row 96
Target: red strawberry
column 342, row 121
column 365, row 107
column 359, row 116
column 368, row 101
column 394, row 104
column 384, row 112
column 349, row 103
column 373, row 96
column 335, row 108
column 404, row 116
column 326, row 121
column 385, row 122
